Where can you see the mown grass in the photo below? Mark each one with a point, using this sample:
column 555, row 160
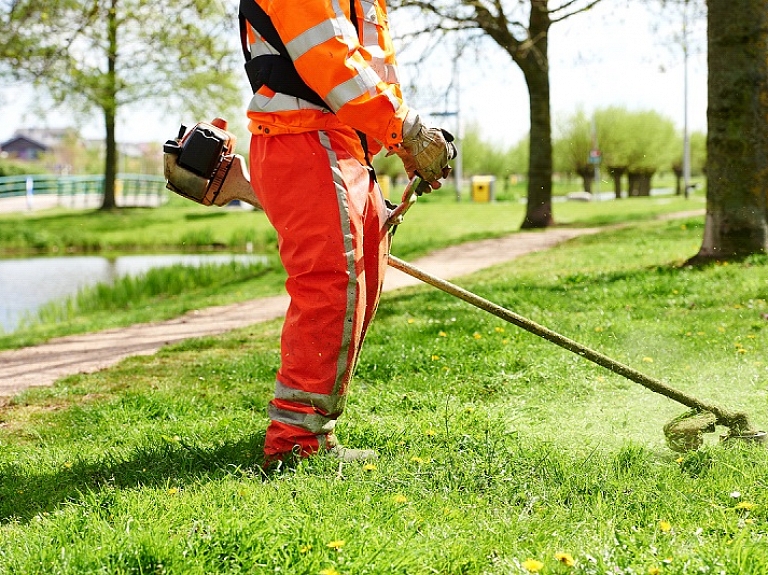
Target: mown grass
column 500, row 453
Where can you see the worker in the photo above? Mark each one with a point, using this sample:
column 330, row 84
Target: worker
column 326, row 99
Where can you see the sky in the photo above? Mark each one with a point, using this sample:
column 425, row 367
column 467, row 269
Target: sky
column 613, row 55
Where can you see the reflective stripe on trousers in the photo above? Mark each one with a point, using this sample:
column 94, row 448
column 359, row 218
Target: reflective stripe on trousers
column 330, row 221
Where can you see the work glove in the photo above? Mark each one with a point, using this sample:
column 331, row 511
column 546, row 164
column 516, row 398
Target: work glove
column 424, row 151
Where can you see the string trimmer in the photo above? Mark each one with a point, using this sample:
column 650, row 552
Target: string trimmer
column 210, row 187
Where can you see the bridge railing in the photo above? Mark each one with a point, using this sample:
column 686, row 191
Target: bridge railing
column 87, row 191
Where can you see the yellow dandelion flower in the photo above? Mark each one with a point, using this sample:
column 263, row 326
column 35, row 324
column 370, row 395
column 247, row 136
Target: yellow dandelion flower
column 749, row 521
column 654, row 570
column 648, row 359
column 173, row 491
column 416, row 459
column 469, row 409
column 746, row 505
column 442, row 334
column 665, row 526
column 741, row 350
column 688, row 333
column 435, row 357
column 505, row 341
column 721, row 329
column 336, row 544
column 305, row 549
column 498, row 329
column 369, row 467
column 566, row 559
column 68, row 465
column 411, row 320
column 598, row 329
column 751, row 336
column 477, row 335
column 400, row 498
column 329, row 571
column 679, row 460
column 532, row 565
column 430, row 433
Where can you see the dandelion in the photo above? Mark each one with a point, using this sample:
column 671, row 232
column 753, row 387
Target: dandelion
column 411, row 320
column 329, row 571
column 566, row 559
column 598, row 329
column 498, row 329
column 336, row 544
column 665, row 526
column 430, row 433
column 400, row 498
column 442, row 334
column 173, row 491
column 532, row 565
column 435, row 357
column 369, row 467
column 745, row 505
column 648, row 359
column 654, row 571
column 68, row 465
column 477, row 335
column 305, row 549
column 416, row 459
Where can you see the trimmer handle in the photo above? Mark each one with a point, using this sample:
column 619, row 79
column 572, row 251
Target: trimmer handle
column 415, row 187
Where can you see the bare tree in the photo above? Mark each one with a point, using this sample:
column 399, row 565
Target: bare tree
column 521, row 29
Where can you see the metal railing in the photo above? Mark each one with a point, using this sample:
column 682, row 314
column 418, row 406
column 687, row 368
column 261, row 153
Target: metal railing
column 87, row 191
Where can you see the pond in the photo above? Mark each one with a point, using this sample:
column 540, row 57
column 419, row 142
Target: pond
column 26, row 284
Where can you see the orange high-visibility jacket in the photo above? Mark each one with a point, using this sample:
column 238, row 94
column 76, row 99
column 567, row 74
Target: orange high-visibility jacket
column 352, row 70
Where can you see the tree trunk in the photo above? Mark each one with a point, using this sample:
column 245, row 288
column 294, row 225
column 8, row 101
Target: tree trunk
column 678, row 171
column 534, row 63
column 640, row 183
column 109, row 105
column 587, row 174
column 616, row 173
column 737, row 133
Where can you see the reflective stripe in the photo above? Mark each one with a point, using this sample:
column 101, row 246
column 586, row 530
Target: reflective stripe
column 343, row 366
column 363, row 83
column 280, row 103
column 261, row 47
column 312, row 422
column 331, row 404
column 338, row 27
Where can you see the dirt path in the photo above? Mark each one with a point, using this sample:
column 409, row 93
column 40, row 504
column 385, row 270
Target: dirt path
column 43, row 364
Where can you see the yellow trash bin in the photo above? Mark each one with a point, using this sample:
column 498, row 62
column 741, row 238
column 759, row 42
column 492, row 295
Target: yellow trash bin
column 482, row 188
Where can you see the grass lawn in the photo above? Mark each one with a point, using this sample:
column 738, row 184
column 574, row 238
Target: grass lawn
column 500, row 453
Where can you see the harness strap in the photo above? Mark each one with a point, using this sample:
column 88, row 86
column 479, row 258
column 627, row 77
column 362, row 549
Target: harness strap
column 274, row 71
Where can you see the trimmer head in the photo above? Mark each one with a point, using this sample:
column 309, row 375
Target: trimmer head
column 686, row 432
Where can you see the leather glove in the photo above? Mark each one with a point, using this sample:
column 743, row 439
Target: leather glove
column 425, row 151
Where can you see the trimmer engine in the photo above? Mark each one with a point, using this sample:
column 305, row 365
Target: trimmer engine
column 201, row 165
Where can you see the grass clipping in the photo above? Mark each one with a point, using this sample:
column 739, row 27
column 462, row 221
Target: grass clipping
column 686, row 432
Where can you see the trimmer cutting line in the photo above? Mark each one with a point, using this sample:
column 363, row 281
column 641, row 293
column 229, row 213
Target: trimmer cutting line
column 205, row 180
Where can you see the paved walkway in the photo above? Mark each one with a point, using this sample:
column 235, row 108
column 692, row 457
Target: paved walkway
column 42, row 365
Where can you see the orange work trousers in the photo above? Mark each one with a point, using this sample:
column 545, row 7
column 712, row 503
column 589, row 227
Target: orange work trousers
column 330, row 219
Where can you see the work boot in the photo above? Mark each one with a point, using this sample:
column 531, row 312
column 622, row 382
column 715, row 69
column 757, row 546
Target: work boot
column 348, row 455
